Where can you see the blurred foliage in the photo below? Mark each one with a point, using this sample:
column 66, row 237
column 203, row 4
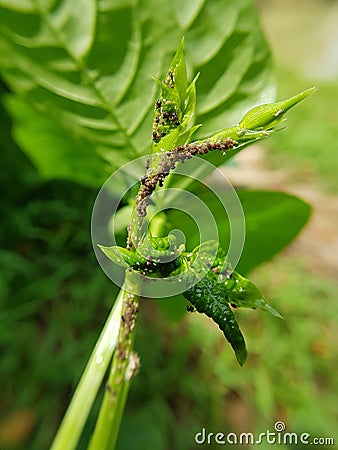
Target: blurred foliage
column 309, row 149
column 300, row 352
column 53, row 299
column 88, row 90
column 280, row 215
column 303, row 37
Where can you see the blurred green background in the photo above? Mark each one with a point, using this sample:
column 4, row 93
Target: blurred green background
column 55, row 298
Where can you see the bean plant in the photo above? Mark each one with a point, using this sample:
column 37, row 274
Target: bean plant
column 210, row 283
column 113, row 113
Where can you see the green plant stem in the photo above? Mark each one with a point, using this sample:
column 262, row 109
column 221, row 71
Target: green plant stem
column 157, row 226
column 125, row 361
column 124, row 366
column 73, row 422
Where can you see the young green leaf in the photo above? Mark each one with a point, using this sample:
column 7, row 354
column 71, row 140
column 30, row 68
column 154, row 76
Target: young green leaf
column 177, row 74
column 154, row 257
column 171, row 117
column 238, row 290
column 244, row 293
column 205, row 253
column 207, row 296
column 190, row 100
column 160, row 249
column 122, row 257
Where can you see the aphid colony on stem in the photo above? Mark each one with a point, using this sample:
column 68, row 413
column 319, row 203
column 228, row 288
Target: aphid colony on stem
column 212, row 286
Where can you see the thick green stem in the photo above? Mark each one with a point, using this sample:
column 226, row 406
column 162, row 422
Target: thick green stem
column 125, row 362
column 124, row 366
column 72, row 425
column 157, row 226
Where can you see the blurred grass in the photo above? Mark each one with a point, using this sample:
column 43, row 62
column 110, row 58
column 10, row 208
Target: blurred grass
column 195, row 382
column 300, row 352
column 53, row 297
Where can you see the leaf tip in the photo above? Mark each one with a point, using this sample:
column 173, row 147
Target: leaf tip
column 311, row 90
column 292, row 101
column 241, row 356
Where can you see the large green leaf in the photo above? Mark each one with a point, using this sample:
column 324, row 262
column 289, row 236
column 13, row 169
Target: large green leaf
column 50, row 149
column 273, row 220
column 86, row 69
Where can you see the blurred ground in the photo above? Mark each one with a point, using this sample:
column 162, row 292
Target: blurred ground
column 303, row 35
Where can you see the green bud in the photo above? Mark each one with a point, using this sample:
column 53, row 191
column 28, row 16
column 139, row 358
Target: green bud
column 267, row 116
column 260, row 122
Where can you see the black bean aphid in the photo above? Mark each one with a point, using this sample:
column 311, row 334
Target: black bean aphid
column 168, row 162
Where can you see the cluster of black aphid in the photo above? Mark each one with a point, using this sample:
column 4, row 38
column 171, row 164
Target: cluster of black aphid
column 170, row 79
column 166, row 119
column 168, row 162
